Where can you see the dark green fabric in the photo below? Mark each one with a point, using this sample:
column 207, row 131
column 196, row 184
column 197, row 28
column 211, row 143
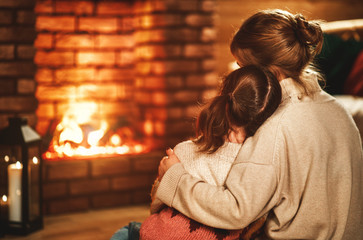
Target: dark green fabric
column 336, row 61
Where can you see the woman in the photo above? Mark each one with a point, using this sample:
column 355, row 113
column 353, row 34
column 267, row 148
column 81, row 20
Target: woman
column 303, row 167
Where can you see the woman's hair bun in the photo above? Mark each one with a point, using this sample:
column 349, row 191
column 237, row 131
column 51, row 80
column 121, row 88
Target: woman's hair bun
column 309, row 32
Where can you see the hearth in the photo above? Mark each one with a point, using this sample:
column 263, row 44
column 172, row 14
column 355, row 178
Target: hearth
column 117, row 83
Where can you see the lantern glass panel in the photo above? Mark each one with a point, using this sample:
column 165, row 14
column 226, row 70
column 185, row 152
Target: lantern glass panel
column 34, row 182
column 10, row 182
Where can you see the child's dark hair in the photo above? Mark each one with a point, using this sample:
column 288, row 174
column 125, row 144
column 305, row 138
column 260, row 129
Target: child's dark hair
column 248, row 97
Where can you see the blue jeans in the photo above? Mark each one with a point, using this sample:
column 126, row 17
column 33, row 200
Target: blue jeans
column 130, row 232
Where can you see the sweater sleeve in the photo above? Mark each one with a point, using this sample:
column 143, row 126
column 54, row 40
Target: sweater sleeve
column 245, row 197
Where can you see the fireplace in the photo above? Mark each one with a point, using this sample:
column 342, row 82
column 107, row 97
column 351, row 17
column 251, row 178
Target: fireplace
column 117, row 83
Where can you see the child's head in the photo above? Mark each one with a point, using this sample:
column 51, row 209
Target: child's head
column 278, row 40
column 248, row 97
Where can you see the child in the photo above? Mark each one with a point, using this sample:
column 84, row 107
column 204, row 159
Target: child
column 249, row 96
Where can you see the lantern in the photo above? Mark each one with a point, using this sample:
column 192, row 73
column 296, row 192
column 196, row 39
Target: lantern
column 20, row 179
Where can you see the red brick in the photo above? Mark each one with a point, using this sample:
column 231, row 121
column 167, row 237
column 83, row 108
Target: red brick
column 16, row 3
column 25, row 52
column 124, row 92
column 96, row 58
column 93, row 24
column 160, row 20
column 42, row 127
column 181, row 127
column 202, row 80
column 209, row 6
column 192, row 111
column 143, row 97
column 131, row 182
column 147, row 36
column 125, row 58
column 12, row 69
column 115, row 41
column 209, row 93
column 97, row 91
column 209, row 65
column 74, row 74
column 55, row 23
column 26, row 86
column 7, row 86
column 173, row 66
column 55, row 93
column 44, row 75
column 77, row 7
column 186, row 96
column 67, row 205
column 115, row 74
column 45, row 6
column 54, row 58
column 6, row 17
column 7, row 51
column 158, row 51
column 199, row 50
column 89, row 186
column 54, row 190
column 74, row 41
column 113, row 166
column 44, row 40
column 68, row 169
column 199, row 20
column 25, row 17
column 127, row 24
column 160, row 82
column 45, row 110
column 107, row 108
column 141, row 196
column 17, row 104
column 208, row 35
column 190, row 5
column 17, row 34
column 143, row 164
column 114, row 8
column 111, row 199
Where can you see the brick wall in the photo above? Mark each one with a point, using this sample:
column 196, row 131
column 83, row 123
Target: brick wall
column 17, row 85
column 151, row 61
column 79, row 185
column 174, row 46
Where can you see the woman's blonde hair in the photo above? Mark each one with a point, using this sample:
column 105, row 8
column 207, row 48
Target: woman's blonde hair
column 278, row 40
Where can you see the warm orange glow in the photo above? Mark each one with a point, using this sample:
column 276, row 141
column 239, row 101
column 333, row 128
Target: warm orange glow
column 82, row 134
column 148, row 128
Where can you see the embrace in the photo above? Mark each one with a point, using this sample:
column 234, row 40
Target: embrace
column 275, row 157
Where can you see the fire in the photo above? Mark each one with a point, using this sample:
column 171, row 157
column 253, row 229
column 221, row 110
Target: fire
column 81, row 134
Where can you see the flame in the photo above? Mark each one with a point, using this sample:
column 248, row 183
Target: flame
column 82, row 134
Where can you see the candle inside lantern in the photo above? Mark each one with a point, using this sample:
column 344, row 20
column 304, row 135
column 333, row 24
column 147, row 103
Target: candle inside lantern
column 14, row 174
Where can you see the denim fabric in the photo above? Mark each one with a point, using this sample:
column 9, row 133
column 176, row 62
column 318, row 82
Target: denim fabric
column 130, row 232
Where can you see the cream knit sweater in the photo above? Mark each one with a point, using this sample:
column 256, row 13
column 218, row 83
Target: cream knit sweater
column 211, row 168
column 304, row 166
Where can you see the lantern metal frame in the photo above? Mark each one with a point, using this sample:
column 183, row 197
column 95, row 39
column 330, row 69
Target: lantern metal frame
column 18, row 135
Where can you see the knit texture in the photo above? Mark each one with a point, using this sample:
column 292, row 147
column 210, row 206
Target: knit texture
column 212, row 168
column 169, row 224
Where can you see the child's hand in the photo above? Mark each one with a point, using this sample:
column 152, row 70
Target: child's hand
column 236, row 136
column 167, row 162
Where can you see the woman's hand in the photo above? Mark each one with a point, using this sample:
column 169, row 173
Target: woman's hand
column 166, row 162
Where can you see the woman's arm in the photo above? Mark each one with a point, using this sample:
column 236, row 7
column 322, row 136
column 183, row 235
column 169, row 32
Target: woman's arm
column 246, row 196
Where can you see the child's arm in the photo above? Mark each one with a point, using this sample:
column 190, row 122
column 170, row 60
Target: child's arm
column 156, row 204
